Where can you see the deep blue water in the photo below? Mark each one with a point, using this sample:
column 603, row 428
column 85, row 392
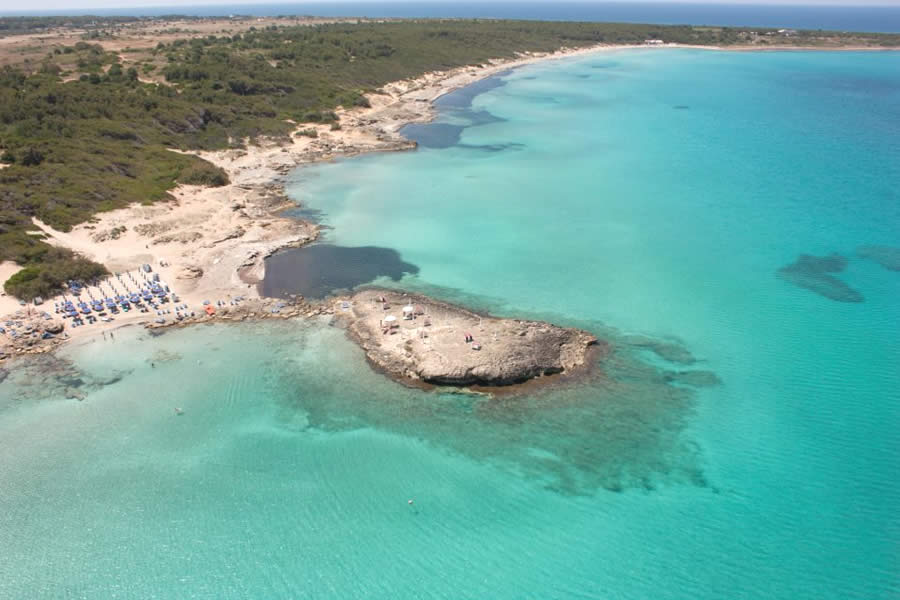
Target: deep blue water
column 853, row 17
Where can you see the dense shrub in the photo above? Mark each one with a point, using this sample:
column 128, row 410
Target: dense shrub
column 203, row 173
column 32, row 157
column 46, row 278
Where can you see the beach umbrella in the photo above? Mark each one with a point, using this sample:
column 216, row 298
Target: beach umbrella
column 390, row 319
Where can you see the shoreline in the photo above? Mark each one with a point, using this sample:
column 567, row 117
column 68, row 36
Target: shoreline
column 211, row 243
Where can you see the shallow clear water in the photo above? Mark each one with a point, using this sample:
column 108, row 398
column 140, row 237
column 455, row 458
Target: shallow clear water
column 635, row 193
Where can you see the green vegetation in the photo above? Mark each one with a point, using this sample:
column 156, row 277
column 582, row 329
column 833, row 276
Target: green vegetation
column 101, row 139
column 203, row 174
column 45, row 277
column 23, row 25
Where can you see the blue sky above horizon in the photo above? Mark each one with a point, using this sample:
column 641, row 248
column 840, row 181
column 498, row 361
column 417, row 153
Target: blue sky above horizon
column 63, row 5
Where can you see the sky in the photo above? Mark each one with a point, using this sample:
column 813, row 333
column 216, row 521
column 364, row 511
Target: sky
column 62, row 5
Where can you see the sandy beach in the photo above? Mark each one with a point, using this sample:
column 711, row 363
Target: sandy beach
column 8, row 304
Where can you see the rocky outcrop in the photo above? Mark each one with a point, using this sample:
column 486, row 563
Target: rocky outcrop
column 416, row 338
column 55, row 327
column 180, row 237
column 27, row 332
column 232, row 234
column 190, row 272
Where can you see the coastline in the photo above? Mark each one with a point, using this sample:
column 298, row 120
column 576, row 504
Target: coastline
column 648, row 198
column 213, row 242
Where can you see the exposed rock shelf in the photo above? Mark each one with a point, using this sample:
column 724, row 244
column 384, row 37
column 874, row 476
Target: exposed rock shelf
column 416, row 338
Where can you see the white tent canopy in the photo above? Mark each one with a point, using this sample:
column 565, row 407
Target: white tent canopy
column 390, row 319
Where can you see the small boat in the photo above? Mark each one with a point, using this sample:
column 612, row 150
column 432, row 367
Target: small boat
column 179, row 412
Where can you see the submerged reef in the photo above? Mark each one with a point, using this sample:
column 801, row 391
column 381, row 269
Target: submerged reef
column 669, row 351
column 694, row 378
column 813, row 273
column 45, row 376
column 617, row 426
column 886, row 256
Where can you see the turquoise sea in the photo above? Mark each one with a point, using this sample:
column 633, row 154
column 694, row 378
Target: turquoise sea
column 650, row 196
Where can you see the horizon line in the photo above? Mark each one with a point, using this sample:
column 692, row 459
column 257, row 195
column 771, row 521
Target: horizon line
column 251, row 3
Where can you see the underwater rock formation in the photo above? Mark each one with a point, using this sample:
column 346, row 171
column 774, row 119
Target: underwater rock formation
column 813, row 273
column 693, row 378
column 886, row 256
column 666, row 350
column 46, row 375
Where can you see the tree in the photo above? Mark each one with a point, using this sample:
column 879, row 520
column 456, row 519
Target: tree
column 32, row 158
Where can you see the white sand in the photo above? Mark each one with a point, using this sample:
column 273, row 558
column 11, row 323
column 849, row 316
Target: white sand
column 8, row 304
